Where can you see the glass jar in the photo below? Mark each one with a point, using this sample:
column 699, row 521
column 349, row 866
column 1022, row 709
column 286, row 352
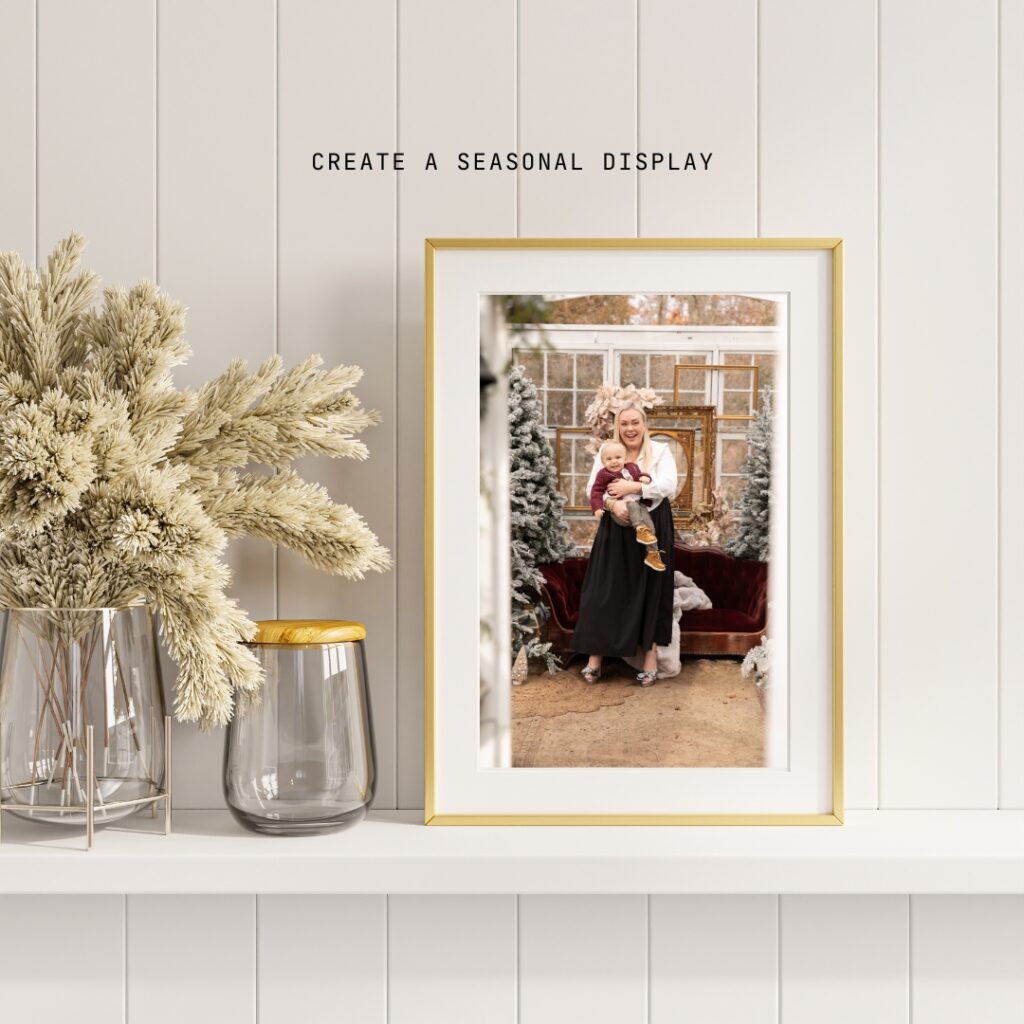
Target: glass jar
column 72, row 679
column 301, row 761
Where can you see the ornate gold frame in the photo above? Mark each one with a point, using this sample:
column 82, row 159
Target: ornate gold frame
column 705, row 413
column 682, row 503
column 833, row 817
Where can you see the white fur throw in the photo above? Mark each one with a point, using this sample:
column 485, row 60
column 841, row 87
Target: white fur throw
column 693, row 596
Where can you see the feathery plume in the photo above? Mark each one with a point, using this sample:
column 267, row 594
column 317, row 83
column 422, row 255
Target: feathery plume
column 117, row 488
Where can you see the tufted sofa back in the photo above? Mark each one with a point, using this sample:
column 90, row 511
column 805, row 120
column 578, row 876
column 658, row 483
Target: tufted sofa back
column 736, row 583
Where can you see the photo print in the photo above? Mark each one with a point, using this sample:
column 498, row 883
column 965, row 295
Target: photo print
column 631, row 521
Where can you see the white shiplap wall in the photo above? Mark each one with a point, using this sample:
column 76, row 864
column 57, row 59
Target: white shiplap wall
column 177, row 135
column 938, row 241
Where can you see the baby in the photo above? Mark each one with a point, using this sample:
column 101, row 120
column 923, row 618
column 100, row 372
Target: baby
column 615, row 467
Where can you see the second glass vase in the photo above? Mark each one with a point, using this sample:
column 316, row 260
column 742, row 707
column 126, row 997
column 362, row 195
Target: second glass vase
column 301, row 761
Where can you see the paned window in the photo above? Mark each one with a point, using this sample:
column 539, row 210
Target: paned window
column 566, row 381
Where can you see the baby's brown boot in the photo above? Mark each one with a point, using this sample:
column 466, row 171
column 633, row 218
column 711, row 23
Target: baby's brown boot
column 653, row 559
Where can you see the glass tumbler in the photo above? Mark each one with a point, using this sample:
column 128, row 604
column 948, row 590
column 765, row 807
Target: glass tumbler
column 301, row 761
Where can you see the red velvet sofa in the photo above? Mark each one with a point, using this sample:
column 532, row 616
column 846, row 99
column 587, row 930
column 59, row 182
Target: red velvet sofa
column 738, row 589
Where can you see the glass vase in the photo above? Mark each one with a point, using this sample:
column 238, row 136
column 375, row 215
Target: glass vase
column 301, row 761
column 72, row 680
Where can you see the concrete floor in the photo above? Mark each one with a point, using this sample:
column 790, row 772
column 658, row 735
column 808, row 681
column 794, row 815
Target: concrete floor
column 708, row 716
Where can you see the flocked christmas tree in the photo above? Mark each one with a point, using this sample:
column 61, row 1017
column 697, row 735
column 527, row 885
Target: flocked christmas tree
column 539, row 532
column 753, row 511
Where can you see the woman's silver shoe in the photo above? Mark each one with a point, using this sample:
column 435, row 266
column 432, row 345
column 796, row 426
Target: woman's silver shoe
column 590, row 675
column 647, row 677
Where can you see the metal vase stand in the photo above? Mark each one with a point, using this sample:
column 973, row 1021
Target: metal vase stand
column 90, row 789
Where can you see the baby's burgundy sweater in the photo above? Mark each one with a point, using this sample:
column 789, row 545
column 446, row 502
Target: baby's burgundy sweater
column 605, row 477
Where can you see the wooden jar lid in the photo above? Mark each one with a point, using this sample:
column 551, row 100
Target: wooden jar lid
column 308, row 631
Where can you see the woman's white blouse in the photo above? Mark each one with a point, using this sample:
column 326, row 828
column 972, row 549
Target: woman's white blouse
column 662, row 471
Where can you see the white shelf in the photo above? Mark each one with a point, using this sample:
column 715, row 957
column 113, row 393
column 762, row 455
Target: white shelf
column 874, row 852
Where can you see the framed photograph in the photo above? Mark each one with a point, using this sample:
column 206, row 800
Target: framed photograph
column 633, row 509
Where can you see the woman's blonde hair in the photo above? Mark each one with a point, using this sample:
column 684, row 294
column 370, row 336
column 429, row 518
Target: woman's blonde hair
column 645, row 447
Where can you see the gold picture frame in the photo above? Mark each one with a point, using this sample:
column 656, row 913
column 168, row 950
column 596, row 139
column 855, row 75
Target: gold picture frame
column 682, row 503
column 660, row 417
column 437, row 802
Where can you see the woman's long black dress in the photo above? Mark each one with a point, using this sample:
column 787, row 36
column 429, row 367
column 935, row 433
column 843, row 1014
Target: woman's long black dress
column 624, row 605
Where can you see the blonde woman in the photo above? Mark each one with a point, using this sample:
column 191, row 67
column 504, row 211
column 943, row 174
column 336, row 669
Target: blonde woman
column 625, row 609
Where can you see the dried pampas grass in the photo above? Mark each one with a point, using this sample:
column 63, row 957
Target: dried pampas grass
column 118, row 488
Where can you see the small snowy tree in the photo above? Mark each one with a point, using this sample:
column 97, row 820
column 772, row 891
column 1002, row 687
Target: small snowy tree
column 758, row 663
column 526, row 582
column 753, row 511
column 539, row 532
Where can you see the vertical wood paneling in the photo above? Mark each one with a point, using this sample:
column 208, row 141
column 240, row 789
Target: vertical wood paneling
column 452, row 96
column 95, row 119
column 818, row 76
column 61, row 957
column 191, row 958
column 336, row 273
column 1011, row 409
column 698, row 93
column 939, row 392
column 843, row 959
column 582, row 958
column 452, row 958
column 714, row 958
column 577, row 94
column 966, row 961
column 217, row 248
column 322, row 958
column 17, row 128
